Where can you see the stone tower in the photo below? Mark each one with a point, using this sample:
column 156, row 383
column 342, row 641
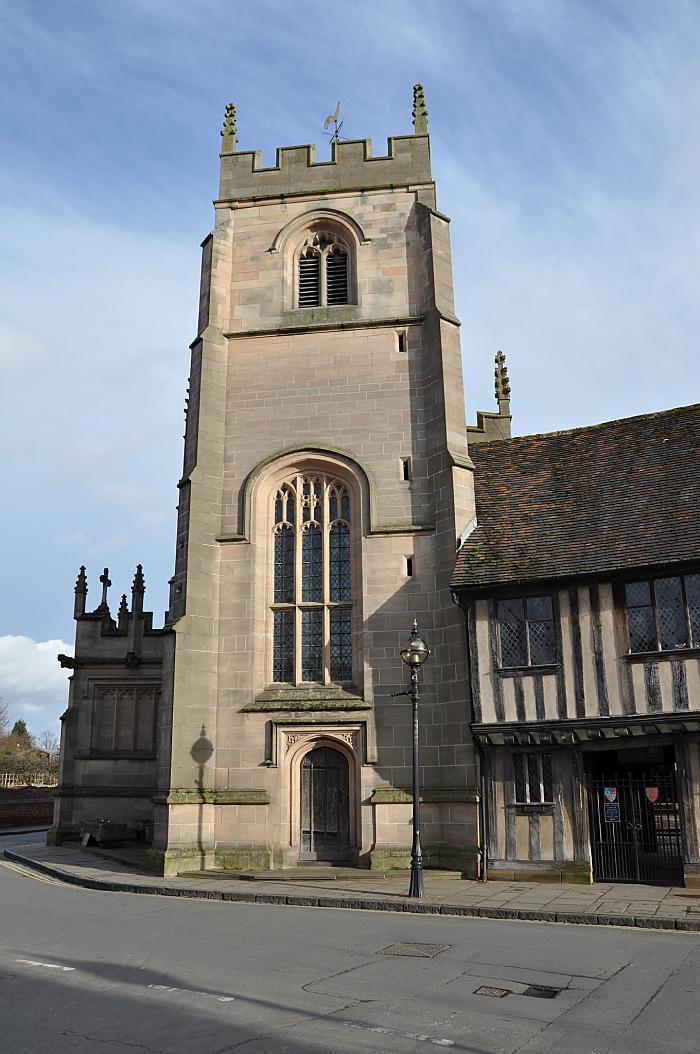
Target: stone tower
column 325, row 485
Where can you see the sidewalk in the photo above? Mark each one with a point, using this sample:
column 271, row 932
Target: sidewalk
column 606, row 904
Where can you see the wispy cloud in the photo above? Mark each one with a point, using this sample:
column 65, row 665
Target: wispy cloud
column 564, row 146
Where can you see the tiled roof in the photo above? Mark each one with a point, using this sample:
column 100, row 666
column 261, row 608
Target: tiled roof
column 612, row 496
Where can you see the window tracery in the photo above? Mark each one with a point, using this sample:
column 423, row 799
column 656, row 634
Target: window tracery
column 312, row 587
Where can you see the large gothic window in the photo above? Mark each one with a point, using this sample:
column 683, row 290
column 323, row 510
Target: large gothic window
column 312, row 593
column 323, row 278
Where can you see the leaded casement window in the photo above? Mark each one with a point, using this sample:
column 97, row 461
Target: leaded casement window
column 323, row 272
column 312, row 591
column 663, row 613
column 532, row 776
column 124, row 720
column 526, row 632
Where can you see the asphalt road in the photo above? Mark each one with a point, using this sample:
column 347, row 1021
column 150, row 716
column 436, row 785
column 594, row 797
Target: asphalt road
column 88, row 971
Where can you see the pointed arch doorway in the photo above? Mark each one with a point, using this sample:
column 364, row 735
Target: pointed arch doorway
column 325, row 808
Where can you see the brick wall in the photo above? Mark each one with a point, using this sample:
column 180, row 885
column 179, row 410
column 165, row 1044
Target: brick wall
column 26, row 806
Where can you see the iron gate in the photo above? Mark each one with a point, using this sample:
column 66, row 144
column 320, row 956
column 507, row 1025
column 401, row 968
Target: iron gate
column 636, row 829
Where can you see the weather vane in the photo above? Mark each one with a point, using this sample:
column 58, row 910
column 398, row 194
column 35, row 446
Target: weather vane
column 337, row 121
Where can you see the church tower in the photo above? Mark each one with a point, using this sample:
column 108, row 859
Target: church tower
column 326, row 483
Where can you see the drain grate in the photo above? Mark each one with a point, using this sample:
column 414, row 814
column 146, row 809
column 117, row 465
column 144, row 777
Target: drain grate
column 420, row 951
column 494, row 993
column 541, row 991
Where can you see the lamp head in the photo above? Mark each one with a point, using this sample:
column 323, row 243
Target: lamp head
column 417, row 651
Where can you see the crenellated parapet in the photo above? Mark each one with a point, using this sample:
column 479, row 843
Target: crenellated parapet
column 352, row 165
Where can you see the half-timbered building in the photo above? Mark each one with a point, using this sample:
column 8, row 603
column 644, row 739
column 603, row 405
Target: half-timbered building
column 581, row 586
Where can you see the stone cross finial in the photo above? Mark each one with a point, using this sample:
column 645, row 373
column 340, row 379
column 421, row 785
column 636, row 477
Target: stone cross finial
column 81, row 589
column 104, row 579
column 502, row 384
column 420, row 111
column 228, row 133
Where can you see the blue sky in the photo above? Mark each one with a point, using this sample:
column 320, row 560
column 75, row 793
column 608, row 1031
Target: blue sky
column 565, row 148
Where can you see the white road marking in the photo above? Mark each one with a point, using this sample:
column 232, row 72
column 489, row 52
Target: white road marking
column 49, row 966
column 402, row 1035
column 192, row 991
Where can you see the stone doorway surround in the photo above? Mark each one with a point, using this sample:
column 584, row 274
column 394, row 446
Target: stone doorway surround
column 293, row 743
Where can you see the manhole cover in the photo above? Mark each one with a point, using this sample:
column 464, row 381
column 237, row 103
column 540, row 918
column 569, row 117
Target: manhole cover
column 494, row 993
column 421, row 951
column 541, row 991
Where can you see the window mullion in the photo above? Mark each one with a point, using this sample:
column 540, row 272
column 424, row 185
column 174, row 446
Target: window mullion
column 325, row 556
column 652, row 591
column 526, row 624
column 297, row 578
column 686, row 612
column 323, row 298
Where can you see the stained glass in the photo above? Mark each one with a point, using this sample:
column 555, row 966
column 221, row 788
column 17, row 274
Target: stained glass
column 312, row 564
column 345, row 506
column 312, row 645
column 340, row 588
column 283, row 647
column 284, row 566
column 279, row 515
column 341, row 644
column 333, row 506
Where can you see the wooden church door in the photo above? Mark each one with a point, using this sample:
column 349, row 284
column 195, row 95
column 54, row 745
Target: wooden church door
column 324, row 805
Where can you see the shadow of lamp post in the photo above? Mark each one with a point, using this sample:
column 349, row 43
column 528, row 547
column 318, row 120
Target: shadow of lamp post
column 414, row 655
column 202, row 749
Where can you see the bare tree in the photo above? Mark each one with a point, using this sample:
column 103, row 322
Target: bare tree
column 4, row 718
column 47, row 741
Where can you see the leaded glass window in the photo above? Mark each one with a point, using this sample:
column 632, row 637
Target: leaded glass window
column 526, row 630
column 312, row 645
column 532, row 777
column 323, row 272
column 312, row 590
column 663, row 613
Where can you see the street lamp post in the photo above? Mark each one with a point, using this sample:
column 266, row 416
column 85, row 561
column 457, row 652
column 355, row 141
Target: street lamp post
column 414, row 655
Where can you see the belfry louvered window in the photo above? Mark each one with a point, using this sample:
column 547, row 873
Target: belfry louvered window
column 323, row 278
column 312, row 588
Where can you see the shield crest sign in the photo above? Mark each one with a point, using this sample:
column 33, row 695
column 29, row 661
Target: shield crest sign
column 610, row 794
column 652, row 794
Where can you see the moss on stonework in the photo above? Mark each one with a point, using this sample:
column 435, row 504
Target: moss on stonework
column 195, row 796
column 396, row 796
